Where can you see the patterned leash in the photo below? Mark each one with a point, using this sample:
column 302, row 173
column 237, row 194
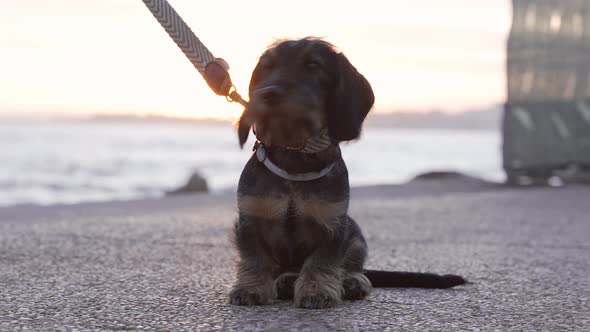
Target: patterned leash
column 214, row 70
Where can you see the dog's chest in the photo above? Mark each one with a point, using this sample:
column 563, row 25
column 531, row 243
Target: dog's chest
column 291, row 224
column 280, row 207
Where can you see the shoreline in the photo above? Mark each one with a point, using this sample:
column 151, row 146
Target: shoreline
column 415, row 187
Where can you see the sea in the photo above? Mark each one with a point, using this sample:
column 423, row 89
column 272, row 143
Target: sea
column 65, row 162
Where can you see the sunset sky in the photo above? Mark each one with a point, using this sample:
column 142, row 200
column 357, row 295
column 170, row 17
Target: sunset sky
column 76, row 58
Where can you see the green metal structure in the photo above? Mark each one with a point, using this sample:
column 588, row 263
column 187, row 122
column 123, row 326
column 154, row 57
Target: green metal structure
column 546, row 126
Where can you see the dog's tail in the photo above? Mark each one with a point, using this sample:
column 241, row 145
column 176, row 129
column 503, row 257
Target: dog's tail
column 386, row 279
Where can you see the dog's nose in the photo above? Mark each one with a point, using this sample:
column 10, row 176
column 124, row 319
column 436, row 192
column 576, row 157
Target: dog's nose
column 271, row 95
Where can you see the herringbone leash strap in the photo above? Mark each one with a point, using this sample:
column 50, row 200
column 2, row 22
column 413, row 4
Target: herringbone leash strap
column 213, row 70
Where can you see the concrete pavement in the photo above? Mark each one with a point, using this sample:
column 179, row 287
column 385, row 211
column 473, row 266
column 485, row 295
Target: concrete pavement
column 167, row 264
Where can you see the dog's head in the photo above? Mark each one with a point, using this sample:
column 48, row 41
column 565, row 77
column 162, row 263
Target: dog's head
column 300, row 87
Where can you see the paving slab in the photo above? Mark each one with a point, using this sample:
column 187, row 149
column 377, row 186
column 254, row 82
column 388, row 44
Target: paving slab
column 168, row 264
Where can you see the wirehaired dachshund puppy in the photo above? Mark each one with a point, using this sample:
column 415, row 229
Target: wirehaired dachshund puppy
column 294, row 237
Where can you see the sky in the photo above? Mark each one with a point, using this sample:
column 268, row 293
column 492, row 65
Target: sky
column 78, row 58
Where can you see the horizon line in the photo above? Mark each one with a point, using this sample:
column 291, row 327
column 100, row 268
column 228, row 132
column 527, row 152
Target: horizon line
column 44, row 115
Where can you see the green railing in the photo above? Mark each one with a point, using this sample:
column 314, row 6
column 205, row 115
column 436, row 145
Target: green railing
column 546, row 127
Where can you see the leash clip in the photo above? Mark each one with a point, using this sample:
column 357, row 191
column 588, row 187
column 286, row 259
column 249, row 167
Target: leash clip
column 256, row 145
column 234, row 96
column 217, row 77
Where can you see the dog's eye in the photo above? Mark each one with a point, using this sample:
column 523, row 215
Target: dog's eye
column 266, row 63
column 313, row 65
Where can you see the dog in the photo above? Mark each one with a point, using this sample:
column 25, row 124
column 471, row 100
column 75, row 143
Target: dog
column 294, row 236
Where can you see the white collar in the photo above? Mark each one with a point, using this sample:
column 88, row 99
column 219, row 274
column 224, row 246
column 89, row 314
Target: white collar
column 262, row 157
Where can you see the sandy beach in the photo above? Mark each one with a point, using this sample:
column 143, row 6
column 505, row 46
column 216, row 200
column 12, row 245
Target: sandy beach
column 167, row 264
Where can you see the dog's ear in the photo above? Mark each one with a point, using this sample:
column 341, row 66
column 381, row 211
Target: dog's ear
column 243, row 128
column 245, row 123
column 349, row 103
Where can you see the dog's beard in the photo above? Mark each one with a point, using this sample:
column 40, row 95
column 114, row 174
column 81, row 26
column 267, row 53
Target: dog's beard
column 282, row 133
column 288, row 127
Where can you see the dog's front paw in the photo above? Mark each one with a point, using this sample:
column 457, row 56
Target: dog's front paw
column 356, row 286
column 245, row 296
column 318, row 290
column 317, row 300
column 317, row 295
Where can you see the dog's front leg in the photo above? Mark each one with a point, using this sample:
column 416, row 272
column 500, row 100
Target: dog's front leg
column 254, row 282
column 320, row 282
